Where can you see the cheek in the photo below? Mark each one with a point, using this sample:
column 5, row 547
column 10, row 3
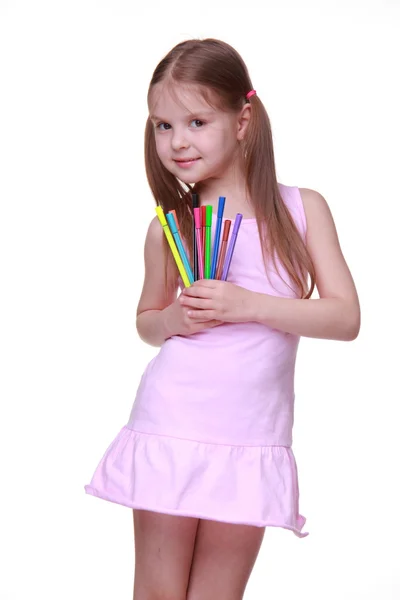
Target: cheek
column 162, row 147
column 223, row 148
column 212, row 146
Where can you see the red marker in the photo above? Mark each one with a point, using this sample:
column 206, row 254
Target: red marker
column 203, row 227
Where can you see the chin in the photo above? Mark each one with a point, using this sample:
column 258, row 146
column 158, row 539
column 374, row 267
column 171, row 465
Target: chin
column 190, row 178
column 193, row 180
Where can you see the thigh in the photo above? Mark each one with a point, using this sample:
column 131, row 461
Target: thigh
column 224, row 557
column 164, row 547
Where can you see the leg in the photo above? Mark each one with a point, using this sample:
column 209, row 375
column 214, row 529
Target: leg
column 224, row 557
column 163, row 555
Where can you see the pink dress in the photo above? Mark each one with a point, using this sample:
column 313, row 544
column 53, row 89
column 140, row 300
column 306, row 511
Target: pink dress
column 210, row 431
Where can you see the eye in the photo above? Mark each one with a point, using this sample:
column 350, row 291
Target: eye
column 163, row 126
column 197, row 123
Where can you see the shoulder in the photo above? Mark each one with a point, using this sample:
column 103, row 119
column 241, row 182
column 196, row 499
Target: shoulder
column 160, row 282
column 155, row 232
column 316, row 209
column 313, row 201
column 155, row 249
column 295, row 203
column 308, row 207
column 321, row 229
column 154, row 237
column 332, row 274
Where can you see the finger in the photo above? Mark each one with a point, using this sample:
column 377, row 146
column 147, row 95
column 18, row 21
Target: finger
column 197, row 291
column 208, row 283
column 205, row 324
column 215, row 323
column 202, row 315
column 200, row 303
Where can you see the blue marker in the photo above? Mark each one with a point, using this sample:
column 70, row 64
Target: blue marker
column 174, row 230
column 221, row 206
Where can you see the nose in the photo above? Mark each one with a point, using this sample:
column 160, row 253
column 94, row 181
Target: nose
column 179, row 140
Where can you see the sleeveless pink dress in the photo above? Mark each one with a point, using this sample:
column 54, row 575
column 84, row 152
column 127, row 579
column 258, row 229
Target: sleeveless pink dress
column 210, row 431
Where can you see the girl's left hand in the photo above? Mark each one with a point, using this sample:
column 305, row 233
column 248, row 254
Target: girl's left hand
column 209, row 299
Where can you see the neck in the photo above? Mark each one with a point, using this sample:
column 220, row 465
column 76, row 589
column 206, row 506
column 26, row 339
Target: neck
column 232, row 185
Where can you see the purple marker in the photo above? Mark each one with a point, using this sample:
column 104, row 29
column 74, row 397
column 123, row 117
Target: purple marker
column 231, row 247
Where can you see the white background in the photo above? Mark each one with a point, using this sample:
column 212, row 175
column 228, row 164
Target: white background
column 75, row 206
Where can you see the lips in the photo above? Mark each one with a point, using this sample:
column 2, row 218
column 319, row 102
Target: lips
column 185, row 163
column 185, row 160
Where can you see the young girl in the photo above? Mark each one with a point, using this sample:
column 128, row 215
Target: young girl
column 205, row 460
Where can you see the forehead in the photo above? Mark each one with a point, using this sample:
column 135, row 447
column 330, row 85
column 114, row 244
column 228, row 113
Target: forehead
column 178, row 99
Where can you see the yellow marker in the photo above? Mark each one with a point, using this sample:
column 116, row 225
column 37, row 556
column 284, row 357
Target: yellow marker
column 172, row 245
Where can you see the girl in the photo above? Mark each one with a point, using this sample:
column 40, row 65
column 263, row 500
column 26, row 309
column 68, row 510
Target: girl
column 205, row 460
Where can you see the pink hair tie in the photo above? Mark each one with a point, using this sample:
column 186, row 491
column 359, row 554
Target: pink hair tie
column 250, row 94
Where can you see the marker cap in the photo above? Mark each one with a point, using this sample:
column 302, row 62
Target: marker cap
column 197, row 218
column 161, row 216
column 221, row 206
column 236, row 225
column 208, row 215
column 171, row 223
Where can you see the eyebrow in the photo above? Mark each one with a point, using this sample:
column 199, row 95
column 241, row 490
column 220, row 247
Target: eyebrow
column 200, row 113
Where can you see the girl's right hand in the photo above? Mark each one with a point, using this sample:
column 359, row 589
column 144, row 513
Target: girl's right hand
column 177, row 322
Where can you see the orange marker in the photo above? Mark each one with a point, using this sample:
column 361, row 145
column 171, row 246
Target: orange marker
column 224, row 243
column 173, row 212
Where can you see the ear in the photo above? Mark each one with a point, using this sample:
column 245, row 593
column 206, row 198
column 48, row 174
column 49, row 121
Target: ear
column 243, row 120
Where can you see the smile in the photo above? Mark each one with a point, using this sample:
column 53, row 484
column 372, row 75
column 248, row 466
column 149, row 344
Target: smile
column 185, row 162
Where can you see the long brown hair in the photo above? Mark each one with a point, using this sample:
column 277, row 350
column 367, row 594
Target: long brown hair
column 216, row 67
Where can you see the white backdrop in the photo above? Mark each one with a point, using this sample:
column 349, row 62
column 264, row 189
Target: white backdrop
column 75, row 206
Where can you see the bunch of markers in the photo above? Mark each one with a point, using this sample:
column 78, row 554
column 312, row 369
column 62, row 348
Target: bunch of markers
column 211, row 261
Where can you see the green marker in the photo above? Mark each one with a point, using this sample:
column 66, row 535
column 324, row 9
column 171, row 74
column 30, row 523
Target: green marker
column 207, row 243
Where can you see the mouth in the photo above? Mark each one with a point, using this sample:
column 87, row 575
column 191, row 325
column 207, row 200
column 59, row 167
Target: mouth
column 185, row 162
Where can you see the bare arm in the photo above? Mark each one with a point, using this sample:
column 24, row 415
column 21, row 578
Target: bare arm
column 159, row 314
column 334, row 315
column 157, row 292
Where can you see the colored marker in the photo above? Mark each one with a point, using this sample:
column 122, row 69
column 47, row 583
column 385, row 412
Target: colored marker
column 221, row 206
column 203, row 227
column 178, row 241
column 207, row 243
column 225, row 236
column 173, row 212
column 197, row 223
column 231, row 248
column 195, row 204
column 172, row 245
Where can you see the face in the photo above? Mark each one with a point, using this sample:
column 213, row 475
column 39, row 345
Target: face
column 194, row 140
